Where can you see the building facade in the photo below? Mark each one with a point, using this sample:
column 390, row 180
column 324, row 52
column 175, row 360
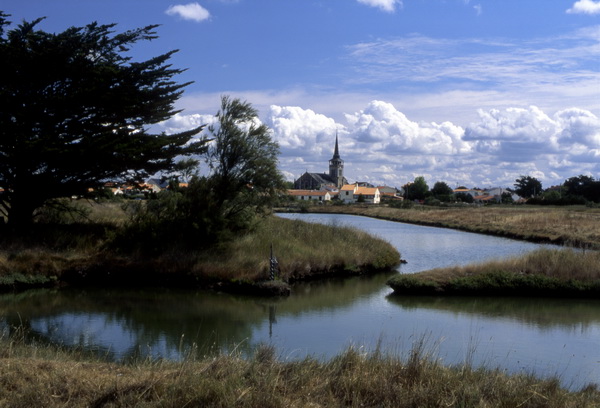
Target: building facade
column 333, row 180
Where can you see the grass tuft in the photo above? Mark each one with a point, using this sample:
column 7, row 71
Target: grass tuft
column 545, row 272
column 34, row 375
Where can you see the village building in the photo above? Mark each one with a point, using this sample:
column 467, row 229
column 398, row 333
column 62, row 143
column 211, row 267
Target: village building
column 315, row 195
column 332, row 181
column 354, row 193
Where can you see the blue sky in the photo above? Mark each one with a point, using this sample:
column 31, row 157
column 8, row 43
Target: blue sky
column 471, row 92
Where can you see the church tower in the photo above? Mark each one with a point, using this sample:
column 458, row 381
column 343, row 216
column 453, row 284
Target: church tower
column 336, row 166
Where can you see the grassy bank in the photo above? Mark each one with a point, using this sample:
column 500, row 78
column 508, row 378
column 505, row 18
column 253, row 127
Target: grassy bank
column 41, row 376
column 571, row 226
column 545, row 272
column 78, row 253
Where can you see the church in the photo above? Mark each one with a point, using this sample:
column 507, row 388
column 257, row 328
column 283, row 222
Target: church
column 318, row 181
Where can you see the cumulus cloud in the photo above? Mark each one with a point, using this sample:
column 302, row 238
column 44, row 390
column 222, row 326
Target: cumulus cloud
column 385, row 5
column 514, row 134
column 579, row 126
column 585, row 7
column 182, row 122
column 382, row 145
column 301, row 129
column 191, row 11
column 388, row 129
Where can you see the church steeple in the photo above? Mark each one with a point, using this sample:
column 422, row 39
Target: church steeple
column 336, row 152
column 336, row 165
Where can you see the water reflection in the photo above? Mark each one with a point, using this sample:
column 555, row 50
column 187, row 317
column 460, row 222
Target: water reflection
column 544, row 336
column 123, row 324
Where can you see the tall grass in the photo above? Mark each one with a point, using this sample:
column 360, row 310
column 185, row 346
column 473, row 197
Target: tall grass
column 552, row 272
column 302, row 249
column 572, row 226
column 78, row 249
column 39, row 376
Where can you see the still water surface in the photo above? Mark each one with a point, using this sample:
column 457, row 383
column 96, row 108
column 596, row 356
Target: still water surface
column 541, row 336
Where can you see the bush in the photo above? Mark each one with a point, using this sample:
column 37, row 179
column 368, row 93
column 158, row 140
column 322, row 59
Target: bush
column 179, row 218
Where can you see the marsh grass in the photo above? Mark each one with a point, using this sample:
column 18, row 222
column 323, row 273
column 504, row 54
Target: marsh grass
column 570, row 225
column 552, row 272
column 34, row 375
column 304, row 250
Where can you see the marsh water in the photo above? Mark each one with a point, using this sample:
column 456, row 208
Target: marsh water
column 547, row 337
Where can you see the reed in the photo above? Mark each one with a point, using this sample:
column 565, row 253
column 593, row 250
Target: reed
column 304, row 250
column 544, row 272
column 34, row 375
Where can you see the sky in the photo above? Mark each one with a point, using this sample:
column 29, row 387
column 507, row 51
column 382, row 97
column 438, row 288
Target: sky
column 470, row 92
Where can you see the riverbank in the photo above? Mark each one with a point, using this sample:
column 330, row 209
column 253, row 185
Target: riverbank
column 33, row 376
column 78, row 254
column 574, row 226
column 545, row 272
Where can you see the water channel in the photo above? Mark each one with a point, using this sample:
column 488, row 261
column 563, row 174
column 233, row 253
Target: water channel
column 547, row 337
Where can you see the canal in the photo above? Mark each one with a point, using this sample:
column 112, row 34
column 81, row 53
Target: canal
column 547, row 337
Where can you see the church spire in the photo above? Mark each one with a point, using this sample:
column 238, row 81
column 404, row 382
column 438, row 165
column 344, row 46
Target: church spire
column 336, row 152
column 336, row 166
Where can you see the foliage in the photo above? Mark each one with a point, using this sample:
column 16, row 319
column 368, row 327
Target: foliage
column 527, row 186
column 583, row 186
column 416, row 190
column 442, row 191
column 75, row 111
column 464, row 197
column 506, row 198
column 176, row 218
column 184, row 170
column 243, row 161
column 244, row 182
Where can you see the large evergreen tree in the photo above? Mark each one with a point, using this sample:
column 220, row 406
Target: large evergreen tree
column 75, row 110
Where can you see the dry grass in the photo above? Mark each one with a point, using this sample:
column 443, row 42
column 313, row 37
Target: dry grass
column 302, row 249
column 34, row 377
column 572, row 226
column 549, row 272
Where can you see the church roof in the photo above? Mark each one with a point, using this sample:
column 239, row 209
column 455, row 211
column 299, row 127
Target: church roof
column 322, row 178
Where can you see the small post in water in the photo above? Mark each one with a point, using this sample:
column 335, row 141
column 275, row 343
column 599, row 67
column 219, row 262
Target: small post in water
column 273, row 265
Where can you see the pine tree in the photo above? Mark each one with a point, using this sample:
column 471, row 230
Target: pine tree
column 75, row 111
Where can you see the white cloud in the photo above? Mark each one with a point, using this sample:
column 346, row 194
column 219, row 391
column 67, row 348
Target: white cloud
column 381, row 144
column 298, row 129
column 182, row 122
column 585, row 7
column 478, row 8
column 382, row 127
column 481, row 62
column 579, row 126
column 385, row 5
column 191, row 11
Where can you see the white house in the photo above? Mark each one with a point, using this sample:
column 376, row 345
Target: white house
column 316, row 195
column 352, row 193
